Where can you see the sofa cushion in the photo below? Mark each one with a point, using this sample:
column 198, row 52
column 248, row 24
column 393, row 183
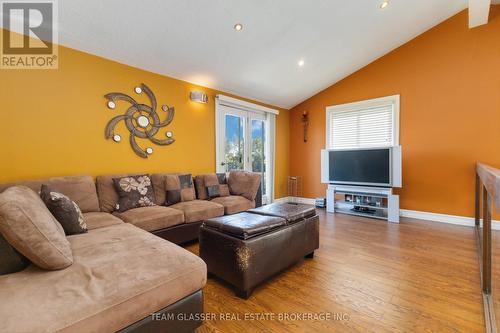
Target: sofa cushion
column 201, row 190
column 244, row 183
column 211, row 185
column 11, row 261
column 133, row 192
column 96, row 220
column 234, row 204
column 121, row 274
column 179, row 188
column 65, row 210
column 199, row 210
column 80, row 189
column 31, row 229
column 108, row 197
column 158, row 180
column 152, row 218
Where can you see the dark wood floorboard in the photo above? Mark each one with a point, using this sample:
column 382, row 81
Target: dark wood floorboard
column 415, row 276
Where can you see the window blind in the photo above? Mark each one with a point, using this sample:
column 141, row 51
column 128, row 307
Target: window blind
column 360, row 128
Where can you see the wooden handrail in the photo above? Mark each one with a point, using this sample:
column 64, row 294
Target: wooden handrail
column 490, row 177
column 487, row 191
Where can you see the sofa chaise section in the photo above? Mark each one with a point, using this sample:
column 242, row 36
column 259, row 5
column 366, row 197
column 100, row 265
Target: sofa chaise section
column 120, row 275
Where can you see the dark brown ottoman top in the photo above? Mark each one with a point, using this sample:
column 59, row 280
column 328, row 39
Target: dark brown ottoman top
column 245, row 225
column 289, row 211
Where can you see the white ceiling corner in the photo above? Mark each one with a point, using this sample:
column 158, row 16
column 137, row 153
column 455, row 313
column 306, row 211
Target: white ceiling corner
column 479, row 11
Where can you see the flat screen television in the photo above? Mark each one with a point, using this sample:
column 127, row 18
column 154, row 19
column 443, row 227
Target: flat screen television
column 369, row 166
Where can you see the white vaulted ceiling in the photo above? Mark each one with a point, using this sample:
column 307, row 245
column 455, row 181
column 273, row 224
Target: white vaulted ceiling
column 194, row 40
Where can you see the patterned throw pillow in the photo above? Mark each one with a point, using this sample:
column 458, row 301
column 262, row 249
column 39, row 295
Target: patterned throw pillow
column 64, row 210
column 133, row 192
column 216, row 185
column 179, row 188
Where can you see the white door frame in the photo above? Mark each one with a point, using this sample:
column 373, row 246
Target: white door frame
column 221, row 112
column 222, row 103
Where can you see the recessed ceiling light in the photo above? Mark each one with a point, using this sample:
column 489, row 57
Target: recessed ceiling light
column 301, row 63
column 238, row 27
column 384, row 4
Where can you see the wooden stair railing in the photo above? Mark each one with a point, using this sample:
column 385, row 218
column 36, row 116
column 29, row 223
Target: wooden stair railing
column 487, row 191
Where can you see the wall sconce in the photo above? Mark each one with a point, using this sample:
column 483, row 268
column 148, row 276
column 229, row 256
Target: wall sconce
column 198, row 97
column 305, row 124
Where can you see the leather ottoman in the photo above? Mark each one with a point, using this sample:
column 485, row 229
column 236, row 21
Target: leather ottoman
column 248, row 248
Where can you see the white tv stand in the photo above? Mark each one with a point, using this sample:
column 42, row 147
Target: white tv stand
column 373, row 202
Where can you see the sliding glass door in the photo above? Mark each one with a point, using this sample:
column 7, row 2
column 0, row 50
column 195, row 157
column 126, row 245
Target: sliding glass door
column 258, row 147
column 234, row 142
column 243, row 144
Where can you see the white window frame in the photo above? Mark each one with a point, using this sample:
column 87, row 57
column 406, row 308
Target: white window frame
column 393, row 100
column 222, row 102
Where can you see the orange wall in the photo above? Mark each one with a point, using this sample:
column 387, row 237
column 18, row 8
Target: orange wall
column 53, row 122
column 449, row 82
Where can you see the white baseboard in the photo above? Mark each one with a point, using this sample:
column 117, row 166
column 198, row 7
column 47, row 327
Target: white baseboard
column 282, row 199
column 415, row 214
column 445, row 218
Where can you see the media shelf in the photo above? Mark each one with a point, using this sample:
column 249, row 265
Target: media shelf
column 372, row 202
column 361, row 205
column 376, row 215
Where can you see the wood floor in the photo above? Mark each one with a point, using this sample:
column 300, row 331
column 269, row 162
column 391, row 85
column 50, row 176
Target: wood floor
column 375, row 276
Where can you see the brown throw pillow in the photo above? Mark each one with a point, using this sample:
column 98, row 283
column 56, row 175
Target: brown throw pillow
column 223, row 187
column 213, row 191
column 211, row 186
column 64, row 210
column 133, row 192
column 216, row 184
column 11, row 261
column 30, row 228
column 179, row 188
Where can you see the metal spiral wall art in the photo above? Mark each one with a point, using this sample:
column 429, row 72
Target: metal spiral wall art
column 141, row 120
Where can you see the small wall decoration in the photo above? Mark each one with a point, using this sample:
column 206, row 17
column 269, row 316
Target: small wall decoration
column 141, row 120
column 305, row 124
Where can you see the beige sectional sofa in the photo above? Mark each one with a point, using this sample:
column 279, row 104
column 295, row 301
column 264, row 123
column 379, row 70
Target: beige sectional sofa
column 121, row 271
column 180, row 222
